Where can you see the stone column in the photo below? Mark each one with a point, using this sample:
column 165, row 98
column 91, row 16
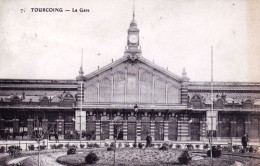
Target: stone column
column 98, row 130
column 60, row 126
column 125, row 130
column 138, row 130
column 183, row 129
column 152, row 129
column 111, row 130
column 30, row 126
column 166, row 130
column 15, row 125
column 184, row 88
column 203, row 130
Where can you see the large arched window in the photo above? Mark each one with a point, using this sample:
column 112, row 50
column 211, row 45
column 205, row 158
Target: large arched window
column 196, row 101
column 91, row 94
column 159, row 96
column 173, row 95
column 105, row 90
column 119, row 87
column 146, row 88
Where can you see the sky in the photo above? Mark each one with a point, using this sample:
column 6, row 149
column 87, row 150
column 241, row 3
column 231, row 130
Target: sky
column 173, row 33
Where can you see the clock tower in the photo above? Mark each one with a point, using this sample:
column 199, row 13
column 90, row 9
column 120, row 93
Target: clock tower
column 133, row 49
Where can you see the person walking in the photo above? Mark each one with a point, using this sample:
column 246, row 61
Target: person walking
column 244, row 141
column 56, row 137
column 148, row 141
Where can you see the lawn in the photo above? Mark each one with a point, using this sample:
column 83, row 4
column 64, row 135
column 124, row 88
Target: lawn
column 139, row 157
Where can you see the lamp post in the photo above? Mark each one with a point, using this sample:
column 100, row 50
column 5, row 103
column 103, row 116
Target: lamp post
column 136, row 110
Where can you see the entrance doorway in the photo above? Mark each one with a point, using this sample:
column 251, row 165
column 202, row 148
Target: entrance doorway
column 195, row 131
column 118, row 131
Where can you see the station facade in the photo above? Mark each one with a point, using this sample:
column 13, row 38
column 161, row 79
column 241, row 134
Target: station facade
column 130, row 98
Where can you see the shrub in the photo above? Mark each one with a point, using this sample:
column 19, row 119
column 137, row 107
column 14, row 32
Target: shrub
column 53, row 146
column 236, row 148
column 42, row 147
column 90, row 145
column 71, row 151
column 140, row 145
column 96, row 145
column 215, row 152
column 164, row 147
column 106, row 145
column 14, row 151
column 190, row 147
column 60, row 146
column 16, row 164
column 73, row 146
column 2, row 149
column 31, row 147
column 91, row 158
column 82, row 145
column 110, row 148
column 206, row 146
column 178, row 146
column 197, row 146
column 127, row 145
column 134, row 145
column 67, row 146
column 113, row 145
column 251, row 149
column 171, row 145
column 184, row 158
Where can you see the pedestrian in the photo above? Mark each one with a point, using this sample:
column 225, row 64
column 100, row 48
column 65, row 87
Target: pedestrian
column 148, row 140
column 71, row 134
column 244, row 141
column 56, row 137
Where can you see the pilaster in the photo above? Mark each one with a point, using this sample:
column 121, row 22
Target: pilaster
column 60, row 125
column 125, row 130
column 98, row 130
column 203, row 130
column 138, row 130
column 111, row 130
column 153, row 130
column 183, row 128
column 166, row 130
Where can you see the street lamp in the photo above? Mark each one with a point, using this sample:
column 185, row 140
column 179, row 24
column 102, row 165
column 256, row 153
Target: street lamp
column 136, row 110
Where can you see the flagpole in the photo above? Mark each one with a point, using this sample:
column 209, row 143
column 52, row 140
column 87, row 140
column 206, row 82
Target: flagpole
column 81, row 98
column 212, row 101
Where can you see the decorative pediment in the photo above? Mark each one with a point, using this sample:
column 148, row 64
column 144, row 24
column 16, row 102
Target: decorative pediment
column 127, row 81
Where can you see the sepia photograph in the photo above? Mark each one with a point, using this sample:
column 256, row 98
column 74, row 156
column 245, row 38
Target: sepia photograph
column 129, row 82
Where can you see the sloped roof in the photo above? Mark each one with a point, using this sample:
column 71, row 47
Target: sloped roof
column 141, row 59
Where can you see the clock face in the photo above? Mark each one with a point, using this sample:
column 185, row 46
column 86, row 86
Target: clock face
column 133, row 39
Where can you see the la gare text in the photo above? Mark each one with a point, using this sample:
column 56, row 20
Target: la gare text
column 35, row 10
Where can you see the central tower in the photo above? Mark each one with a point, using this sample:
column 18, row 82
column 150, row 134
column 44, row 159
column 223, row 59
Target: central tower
column 133, row 50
